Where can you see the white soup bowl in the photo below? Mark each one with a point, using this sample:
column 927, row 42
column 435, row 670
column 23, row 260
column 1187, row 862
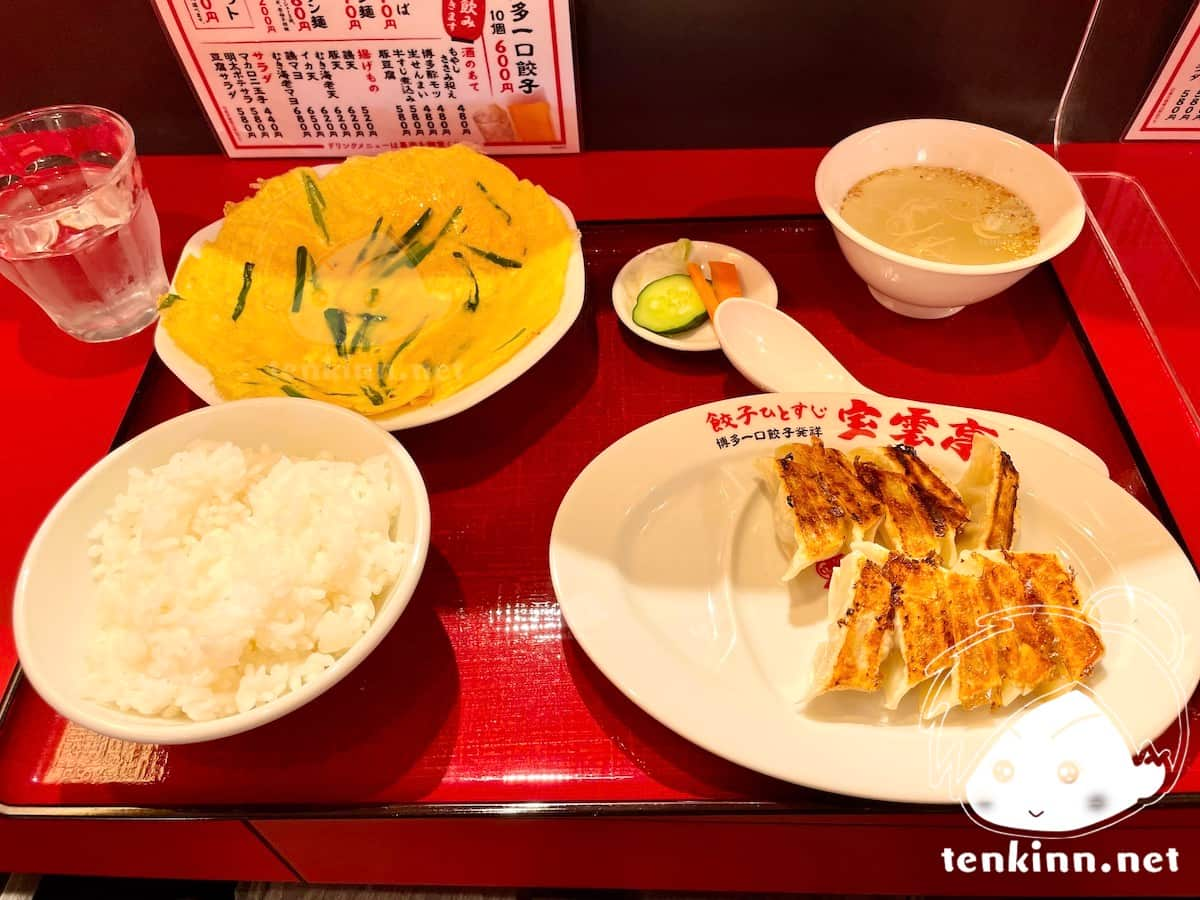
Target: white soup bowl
column 926, row 289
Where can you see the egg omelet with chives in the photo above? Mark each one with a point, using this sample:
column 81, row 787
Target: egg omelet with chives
column 390, row 283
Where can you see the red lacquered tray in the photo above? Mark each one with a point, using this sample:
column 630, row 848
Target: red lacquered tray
column 480, row 696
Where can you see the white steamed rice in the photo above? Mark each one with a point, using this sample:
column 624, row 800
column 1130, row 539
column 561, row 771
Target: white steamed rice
column 228, row 577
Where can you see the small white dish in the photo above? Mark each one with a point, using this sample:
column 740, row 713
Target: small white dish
column 54, row 601
column 757, row 285
column 667, row 568
column 776, row 353
column 925, row 289
column 200, row 381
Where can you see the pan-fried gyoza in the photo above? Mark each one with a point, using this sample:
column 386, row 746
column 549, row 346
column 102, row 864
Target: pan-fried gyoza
column 821, row 507
column 989, row 489
column 826, row 500
column 860, row 628
column 923, row 511
column 929, row 590
column 995, row 627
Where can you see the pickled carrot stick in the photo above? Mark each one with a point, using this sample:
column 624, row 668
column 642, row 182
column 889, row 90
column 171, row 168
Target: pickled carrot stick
column 725, row 280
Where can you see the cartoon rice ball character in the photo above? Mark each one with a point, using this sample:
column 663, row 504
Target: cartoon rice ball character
column 1063, row 765
column 1060, row 765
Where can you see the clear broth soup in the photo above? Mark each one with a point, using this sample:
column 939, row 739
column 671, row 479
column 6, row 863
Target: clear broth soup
column 942, row 214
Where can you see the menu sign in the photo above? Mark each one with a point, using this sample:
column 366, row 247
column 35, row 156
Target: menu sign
column 340, row 77
column 1171, row 111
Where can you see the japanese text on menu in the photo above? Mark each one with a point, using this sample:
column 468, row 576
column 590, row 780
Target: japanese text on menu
column 1171, row 111
column 337, row 77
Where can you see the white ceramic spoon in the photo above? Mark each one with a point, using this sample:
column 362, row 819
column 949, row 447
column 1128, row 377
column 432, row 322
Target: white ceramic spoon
column 778, row 354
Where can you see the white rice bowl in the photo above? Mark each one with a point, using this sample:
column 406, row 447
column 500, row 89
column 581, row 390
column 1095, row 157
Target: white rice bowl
column 57, row 610
column 229, row 577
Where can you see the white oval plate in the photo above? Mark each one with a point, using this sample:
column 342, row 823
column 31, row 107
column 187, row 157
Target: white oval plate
column 199, row 380
column 757, row 284
column 666, row 566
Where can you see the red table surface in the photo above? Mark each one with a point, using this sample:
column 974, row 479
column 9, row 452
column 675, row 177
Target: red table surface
column 44, row 371
column 480, row 695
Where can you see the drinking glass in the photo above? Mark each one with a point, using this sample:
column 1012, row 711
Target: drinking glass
column 78, row 231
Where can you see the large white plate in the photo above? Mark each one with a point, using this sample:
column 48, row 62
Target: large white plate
column 200, row 380
column 664, row 558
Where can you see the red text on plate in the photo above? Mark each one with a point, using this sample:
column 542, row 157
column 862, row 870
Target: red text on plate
column 912, row 426
column 860, row 418
column 964, row 434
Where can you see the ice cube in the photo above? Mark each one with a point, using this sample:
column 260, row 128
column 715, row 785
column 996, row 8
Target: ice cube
column 32, row 236
column 108, row 207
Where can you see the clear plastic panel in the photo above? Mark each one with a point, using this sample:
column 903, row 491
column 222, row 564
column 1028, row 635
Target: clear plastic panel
column 1162, row 287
